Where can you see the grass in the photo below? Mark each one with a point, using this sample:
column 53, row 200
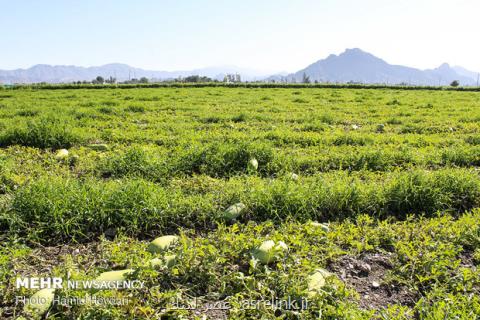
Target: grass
column 41, row 133
column 426, row 261
column 53, row 209
column 393, row 172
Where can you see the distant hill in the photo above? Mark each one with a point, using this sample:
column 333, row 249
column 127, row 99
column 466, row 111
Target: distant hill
column 59, row 74
column 355, row 65
column 467, row 73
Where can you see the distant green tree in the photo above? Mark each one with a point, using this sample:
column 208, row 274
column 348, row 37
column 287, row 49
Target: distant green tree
column 111, row 80
column 100, row 79
column 229, row 78
column 192, row 78
column 232, row 78
column 143, row 80
column 455, row 83
column 197, row 78
column 305, row 78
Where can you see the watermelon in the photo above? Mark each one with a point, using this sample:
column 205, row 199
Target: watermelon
column 162, row 243
column 234, row 211
column 117, row 275
column 253, row 164
column 269, row 251
column 39, row 303
column 61, row 154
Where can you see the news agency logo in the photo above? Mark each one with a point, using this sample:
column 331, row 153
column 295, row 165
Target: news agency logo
column 39, row 283
column 59, row 283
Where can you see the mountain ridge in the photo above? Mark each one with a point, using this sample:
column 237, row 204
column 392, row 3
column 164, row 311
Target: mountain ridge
column 352, row 65
column 356, row 65
column 120, row 71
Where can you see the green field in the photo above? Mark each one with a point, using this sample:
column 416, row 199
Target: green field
column 391, row 174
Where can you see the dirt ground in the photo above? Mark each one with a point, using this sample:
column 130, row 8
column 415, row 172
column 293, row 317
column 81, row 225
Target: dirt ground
column 366, row 274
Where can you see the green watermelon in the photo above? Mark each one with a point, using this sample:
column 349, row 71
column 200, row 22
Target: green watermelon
column 234, row 211
column 269, row 251
column 323, row 226
column 39, row 303
column 117, row 275
column 252, row 164
column 162, row 243
column 168, row 261
column 316, row 281
column 61, row 154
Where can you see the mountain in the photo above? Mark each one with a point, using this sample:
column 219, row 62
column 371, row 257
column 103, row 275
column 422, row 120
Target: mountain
column 466, row 73
column 445, row 74
column 65, row 74
column 355, row 65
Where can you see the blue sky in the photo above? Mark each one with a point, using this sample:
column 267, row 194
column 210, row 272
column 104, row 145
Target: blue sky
column 270, row 35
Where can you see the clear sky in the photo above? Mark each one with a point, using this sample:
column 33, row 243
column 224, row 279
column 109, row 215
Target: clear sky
column 270, row 35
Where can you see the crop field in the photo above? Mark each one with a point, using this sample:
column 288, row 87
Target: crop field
column 358, row 203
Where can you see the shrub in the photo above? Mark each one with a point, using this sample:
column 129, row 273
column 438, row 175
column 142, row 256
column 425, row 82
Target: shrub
column 242, row 117
column 224, row 159
column 136, row 108
column 55, row 208
column 135, row 162
column 27, row 113
column 42, row 133
column 429, row 192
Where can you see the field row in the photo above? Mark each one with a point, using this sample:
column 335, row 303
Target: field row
column 217, row 84
column 50, row 208
column 399, row 270
column 226, row 160
column 375, row 190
